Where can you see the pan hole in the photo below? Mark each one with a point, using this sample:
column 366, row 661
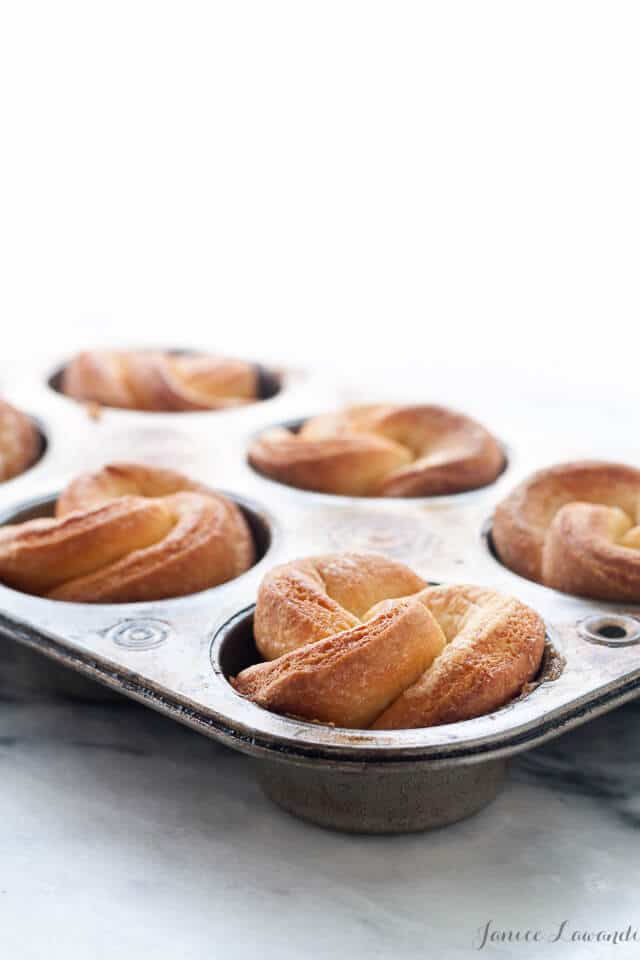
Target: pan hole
column 611, row 630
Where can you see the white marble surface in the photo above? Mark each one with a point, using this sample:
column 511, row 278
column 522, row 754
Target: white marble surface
column 123, row 834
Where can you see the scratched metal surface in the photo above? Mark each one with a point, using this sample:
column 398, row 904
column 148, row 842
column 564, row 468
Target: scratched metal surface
column 164, row 653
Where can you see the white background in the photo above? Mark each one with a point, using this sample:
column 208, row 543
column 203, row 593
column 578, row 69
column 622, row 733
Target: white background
column 366, row 186
column 449, row 188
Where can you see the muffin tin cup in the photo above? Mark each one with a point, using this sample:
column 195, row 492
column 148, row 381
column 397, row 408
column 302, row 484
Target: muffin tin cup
column 30, row 673
column 377, row 800
column 176, row 655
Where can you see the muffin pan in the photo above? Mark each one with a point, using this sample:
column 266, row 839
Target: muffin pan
column 176, row 655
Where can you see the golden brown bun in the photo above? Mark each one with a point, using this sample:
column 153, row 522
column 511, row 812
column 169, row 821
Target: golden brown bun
column 360, row 641
column 127, row 533
column 153, row 380
column 382, row 451
column 575, row 527
column 19, row 442
column 494, row 647
column 314, row 598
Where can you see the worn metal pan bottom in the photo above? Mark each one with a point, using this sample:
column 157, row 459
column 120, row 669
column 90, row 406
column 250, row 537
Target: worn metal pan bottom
column 374, row 800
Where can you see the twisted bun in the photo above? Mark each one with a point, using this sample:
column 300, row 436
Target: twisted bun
column 360, row 641
column 19, row 442
column 382, row 451
column 575, row 527
column 127, row 533
column 153, row 380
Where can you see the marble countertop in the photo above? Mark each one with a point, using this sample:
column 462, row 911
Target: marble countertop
column 124, row 834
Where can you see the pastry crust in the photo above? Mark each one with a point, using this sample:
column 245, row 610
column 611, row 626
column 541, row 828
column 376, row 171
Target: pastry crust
column 128, row 533
column 360, row 641
column 316, row 597
column 575, row 527
column 19, row 442
column 382, row 451
column 159, row 381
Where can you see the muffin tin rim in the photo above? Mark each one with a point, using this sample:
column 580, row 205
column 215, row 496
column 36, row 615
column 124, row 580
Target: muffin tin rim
column 551, row 655
column 429, row 745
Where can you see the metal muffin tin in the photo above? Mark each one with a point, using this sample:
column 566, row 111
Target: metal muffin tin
column 176, row 655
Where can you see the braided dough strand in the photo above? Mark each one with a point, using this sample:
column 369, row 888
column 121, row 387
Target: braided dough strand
column 19, row 442
column 360, row 641
column 156, row 381
column 128, row 533
column 575, row 527
column 382, row 451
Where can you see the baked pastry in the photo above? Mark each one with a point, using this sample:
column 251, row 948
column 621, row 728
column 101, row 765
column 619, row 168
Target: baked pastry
column 382, row 451
column 159, row 381
column 361, row 641
column 20, row 442
column 126, row 533
column 575, row 527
